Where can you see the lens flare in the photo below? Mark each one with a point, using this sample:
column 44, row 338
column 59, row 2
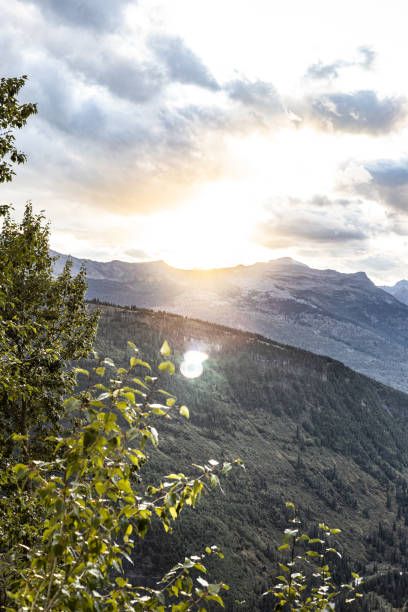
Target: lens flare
column 192, row 364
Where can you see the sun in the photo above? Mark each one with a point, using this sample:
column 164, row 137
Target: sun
column 212, row 231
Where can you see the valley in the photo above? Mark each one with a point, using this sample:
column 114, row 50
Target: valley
column 308, row 429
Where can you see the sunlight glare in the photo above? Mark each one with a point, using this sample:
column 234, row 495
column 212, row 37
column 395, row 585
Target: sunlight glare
column 192, row 365
column 212, row 231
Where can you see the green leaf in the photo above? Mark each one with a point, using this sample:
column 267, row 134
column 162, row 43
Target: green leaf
column 103, row 396
column 100, row 488
column 167, row 366
column 124, row 485
column 155, row 435
column 20, row 470
column 184, row 411
column 81, row 371
column 182, row 607
column 129, row 529
column 134, row 361
column 140, row 382
column 216, row 598
column 333, row 550
column 165, row 349
column 158, row 411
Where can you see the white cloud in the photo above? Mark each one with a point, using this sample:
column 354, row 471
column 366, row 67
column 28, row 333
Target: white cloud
column 152, row 106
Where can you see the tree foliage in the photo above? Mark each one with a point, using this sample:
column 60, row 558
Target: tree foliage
column 93, row 503
column 44, row 324
column 13, row 115
column 298, row 588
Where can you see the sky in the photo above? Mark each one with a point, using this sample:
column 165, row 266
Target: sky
column 212, row 133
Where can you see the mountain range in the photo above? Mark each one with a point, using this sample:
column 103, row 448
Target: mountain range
column 399, row 291
column 344, row 316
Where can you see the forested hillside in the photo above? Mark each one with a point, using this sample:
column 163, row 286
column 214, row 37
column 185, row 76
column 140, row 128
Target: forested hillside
column 308, row 429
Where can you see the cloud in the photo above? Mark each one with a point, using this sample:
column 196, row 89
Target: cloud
column 389, row 173
column 125, row 77
column 95, row 61
column 368, row 57
column 385, row 181
column 87, row 118
column 324, row 71
column 358, row 112
column 92, row 14
column 182, row 64
column 378, row 262
column 323, row 201
column 388, row 185
column 306, row 228
column 106, row 131
column 138, row 254
column 320, row 71
column 117, row 130
column 132, row 76
column 61, row 108
column 259, row 96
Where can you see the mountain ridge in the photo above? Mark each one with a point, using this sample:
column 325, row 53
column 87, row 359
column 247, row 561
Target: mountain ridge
column 399, row 290
column 344, row 316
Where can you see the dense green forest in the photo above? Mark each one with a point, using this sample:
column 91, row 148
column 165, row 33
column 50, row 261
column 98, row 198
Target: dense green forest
column 307, row 428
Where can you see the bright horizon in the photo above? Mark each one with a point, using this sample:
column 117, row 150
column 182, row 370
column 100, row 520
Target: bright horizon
column 212, row 134
column 209, row 269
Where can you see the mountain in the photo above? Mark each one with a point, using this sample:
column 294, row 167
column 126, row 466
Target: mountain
column 344, row 316
column 399, row 291
column 309, row 430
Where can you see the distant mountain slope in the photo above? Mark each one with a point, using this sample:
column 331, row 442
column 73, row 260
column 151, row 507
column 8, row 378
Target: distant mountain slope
column 399, row 291
column 344, row 316
column 309, row 430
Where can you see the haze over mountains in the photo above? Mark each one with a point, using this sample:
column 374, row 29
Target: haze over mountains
column 344, row 316
column 399, row 291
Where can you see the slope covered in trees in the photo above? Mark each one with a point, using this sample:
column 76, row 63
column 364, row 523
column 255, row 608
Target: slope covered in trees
column 308, row 429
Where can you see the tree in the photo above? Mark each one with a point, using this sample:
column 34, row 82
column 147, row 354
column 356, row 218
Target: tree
column 12, row 116
column 44, row 325
column 314, row 590
column 92, row 503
